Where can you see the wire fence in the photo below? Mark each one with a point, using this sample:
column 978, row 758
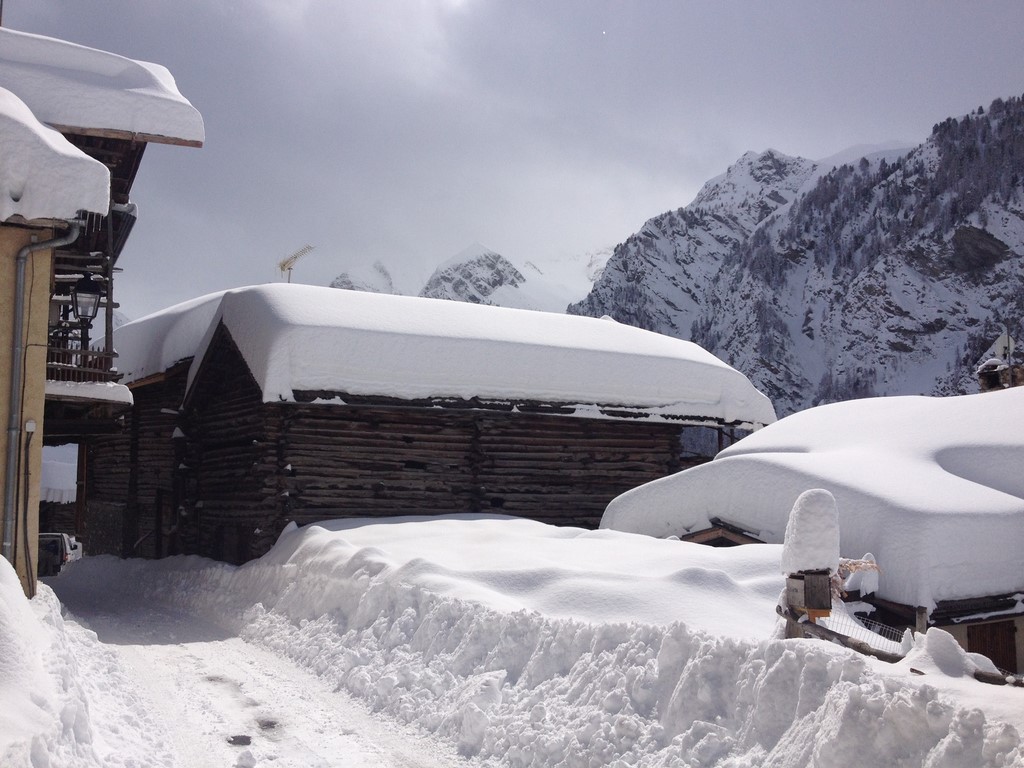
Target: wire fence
column 885, row 642
column 879, row 636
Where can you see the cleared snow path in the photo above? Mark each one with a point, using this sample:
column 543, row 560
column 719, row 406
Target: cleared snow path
column 506, row 640
column 215, row 700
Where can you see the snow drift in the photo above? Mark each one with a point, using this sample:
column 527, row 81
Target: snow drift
column 512, row 640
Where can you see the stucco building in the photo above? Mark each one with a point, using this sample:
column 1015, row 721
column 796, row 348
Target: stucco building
column 74, row 123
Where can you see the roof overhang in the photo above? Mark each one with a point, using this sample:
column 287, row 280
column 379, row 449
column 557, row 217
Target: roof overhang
column 77, row 89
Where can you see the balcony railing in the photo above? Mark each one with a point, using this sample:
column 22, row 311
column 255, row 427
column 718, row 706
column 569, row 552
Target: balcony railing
column 64, row 364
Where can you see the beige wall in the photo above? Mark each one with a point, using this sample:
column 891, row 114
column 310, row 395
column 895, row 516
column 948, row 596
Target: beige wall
column 37, row 299
column 959, row 631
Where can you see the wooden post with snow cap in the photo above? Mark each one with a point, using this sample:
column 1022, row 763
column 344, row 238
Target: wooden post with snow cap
column 810, row 555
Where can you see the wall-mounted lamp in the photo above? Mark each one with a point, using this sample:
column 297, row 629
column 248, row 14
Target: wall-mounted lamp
column 85, row 299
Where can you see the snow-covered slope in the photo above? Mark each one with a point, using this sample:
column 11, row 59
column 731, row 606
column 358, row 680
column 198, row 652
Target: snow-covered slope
column 481, row 276
column 569, row 276
column 888, row 275
column 476, row 275
column 660, row 278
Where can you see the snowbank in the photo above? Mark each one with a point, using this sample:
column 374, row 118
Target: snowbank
column 508, row 638
column 65, row 700
column 298, row 337
column 931, row 486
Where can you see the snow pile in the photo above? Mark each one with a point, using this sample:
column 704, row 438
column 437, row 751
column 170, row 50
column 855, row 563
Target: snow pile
column 409, row 348
column 42, row 176
column 47, row 693
column 72, row 86
column 811, row 542
column 931, row 486
column 515, row 641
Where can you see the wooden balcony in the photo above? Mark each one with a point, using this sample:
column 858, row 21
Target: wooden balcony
column 66, row 364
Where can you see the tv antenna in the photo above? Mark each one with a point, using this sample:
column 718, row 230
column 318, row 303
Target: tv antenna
column 288, row 262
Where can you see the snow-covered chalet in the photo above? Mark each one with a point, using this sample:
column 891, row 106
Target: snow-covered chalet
column 278, row 403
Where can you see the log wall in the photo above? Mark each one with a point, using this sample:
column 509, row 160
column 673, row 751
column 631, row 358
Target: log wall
column 232, row 440
column 246, row 468
column 108, row 471
column 137, row 468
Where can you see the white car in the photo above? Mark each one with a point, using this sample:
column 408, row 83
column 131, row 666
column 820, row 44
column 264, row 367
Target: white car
column 55, row 551
column 76, row 549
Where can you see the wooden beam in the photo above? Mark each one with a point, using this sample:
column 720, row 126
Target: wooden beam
column 113, row 133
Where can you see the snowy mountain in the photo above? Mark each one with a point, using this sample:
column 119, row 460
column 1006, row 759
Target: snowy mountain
column 660, row 277
column 474, row 275
column 888, row 275
column 479, row 275
column 376, row 279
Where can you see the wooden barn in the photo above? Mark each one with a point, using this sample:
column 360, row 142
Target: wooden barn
column 280, row 403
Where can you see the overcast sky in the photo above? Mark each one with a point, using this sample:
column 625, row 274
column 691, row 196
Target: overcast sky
column 405, row 131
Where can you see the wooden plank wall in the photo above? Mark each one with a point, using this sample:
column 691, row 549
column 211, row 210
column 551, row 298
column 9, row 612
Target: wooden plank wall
column 565, row 470
column 345, row 461
column 136, row 468
column 232, row 450
column 108, row 472
column 151, row 515
column 246, row 468
column 358, row 461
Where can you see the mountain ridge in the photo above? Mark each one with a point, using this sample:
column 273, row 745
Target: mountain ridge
column 882, row 276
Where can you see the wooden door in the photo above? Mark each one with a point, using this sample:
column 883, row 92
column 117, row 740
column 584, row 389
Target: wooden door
column 997, row 640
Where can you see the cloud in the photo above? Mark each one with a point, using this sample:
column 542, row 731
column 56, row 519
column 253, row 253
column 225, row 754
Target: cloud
column 402, row 131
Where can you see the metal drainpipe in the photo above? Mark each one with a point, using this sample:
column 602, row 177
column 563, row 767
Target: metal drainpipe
column 17, row 359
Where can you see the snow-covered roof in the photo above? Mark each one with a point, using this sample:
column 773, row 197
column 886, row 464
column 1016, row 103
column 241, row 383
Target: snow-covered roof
column 42, row 176
column 931, row 486
column 307, row 338
column 106, row 391
column 71, row 86
column 155, row 343
column 58, row 482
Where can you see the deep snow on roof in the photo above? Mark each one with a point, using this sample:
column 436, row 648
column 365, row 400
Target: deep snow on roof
column 931, row 486
column 72, row 86
column 307, row 338
column 58, row 482
column 42, row 176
